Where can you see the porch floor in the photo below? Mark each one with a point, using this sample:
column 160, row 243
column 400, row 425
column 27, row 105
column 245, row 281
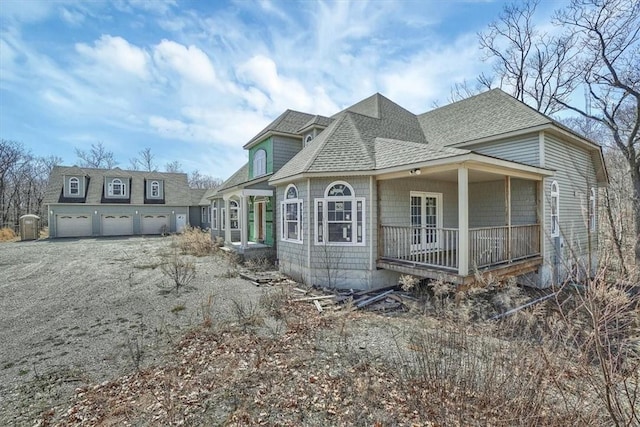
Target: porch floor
column 503, row 270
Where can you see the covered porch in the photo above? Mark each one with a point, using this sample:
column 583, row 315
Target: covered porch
column 244, row 221
column 461, row 220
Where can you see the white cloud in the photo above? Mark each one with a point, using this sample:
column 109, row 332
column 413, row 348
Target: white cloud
column 116, row 53
column 72, row 17
column 191, row 63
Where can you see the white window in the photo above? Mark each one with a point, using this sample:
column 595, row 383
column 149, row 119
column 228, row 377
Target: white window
column 291, row 213
column 117, row 188
column 214, row 215
column 555, row 209
column 74, row 186
column 223, row 216
column 259, row 163
column 155, row 189
column 592, row 210
column 234, row 215
column 308, row 139
column 340, row 216
column 204, row 214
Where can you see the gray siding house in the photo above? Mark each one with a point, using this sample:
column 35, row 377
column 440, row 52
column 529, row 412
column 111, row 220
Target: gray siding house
column 86, row 202
column 486, row 185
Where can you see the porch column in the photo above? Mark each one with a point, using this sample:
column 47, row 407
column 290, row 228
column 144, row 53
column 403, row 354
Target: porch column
column 227, row 223
column 507, row 195
column 244, row 215
column 463, row 221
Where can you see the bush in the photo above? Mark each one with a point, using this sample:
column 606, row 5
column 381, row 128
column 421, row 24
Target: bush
column 7, row 234
column 179, row 270
column 195, row 241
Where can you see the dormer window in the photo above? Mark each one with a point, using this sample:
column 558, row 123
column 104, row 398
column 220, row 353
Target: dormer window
column 117, row 188
column 308, row 139
column 74, row 186
column 155, row 189
column 259, row 163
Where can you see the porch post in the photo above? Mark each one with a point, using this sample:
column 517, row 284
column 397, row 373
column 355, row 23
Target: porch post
column 463, row 221
column 227, row 223
column 507, row 195
column 244, row 215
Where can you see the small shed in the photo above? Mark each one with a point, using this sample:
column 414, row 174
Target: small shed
column 29, row 227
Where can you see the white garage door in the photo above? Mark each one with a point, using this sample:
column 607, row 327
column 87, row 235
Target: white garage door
column 117, row 225
column 155, row 224
column 73, row 225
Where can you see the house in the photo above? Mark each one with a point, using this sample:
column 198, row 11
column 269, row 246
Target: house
column 486, row 185
column 200, row 209
column 115, row 202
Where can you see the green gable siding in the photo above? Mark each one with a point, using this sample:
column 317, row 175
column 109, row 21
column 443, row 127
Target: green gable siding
column 267, row 146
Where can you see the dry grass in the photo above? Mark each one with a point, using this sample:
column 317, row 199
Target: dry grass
column 571, row 361
column 7, row 235
column 195, row 241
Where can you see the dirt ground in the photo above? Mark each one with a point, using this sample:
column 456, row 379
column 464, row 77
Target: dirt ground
column 80, row 311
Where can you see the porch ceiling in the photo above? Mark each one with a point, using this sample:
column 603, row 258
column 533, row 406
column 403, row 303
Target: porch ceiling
column 452, row 175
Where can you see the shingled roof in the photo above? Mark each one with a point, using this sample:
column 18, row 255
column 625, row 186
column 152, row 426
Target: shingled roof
column 176, row 187
column 488, row 114
column 288, row 123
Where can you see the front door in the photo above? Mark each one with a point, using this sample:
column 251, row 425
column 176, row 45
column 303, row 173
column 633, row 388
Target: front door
column 181, row 222
column 426, row 218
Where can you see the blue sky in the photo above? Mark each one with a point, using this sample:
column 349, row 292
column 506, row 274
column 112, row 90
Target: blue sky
column 195, row 80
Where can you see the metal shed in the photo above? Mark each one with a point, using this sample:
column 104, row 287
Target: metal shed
column 29, row 227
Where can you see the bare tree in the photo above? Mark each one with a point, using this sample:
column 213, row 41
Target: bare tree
column 96, row 157
column 174, row 167
column 199, row 180
column 23, row 181
column 608, row 36
column 533, row 66
column 144, row 161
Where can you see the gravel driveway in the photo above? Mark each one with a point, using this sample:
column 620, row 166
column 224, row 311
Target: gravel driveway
column 78, row 311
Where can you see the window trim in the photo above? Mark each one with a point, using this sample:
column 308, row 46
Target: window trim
column 155, row 185
column 259, row 163
column 321, row 221
column 284, row 222
column 203, row 214
column 555, row 203
column 592, row 209
column 123, row 188
column 234, row 206
column 214, row 215
column 73, row 180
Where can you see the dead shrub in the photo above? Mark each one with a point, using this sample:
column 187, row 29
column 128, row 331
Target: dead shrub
column 179, row 270
column 7, row 234
column 195, row 241
column 259, row 264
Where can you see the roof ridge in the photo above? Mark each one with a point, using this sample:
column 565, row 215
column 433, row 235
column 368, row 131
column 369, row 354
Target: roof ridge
column 451, row 104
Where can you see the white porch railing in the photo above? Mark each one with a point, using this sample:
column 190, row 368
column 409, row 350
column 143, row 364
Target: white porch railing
column 495, row 245
column 437, row 247
column 421, row 245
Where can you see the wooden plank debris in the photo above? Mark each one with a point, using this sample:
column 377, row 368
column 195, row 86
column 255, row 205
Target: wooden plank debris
column 314, row 298
column 317, row 304
column 373, row 299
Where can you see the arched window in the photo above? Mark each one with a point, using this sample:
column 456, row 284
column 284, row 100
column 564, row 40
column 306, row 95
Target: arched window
column 555, row 209
column 117, row 188
column 308, row 139
column 592, row 210
column 155, row 189
column 291, row 212
column 259, row 163
column 234, row 215
column 74, row 186
column 340, row 216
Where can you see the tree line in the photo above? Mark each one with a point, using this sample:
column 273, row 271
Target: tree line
column 24, row 176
